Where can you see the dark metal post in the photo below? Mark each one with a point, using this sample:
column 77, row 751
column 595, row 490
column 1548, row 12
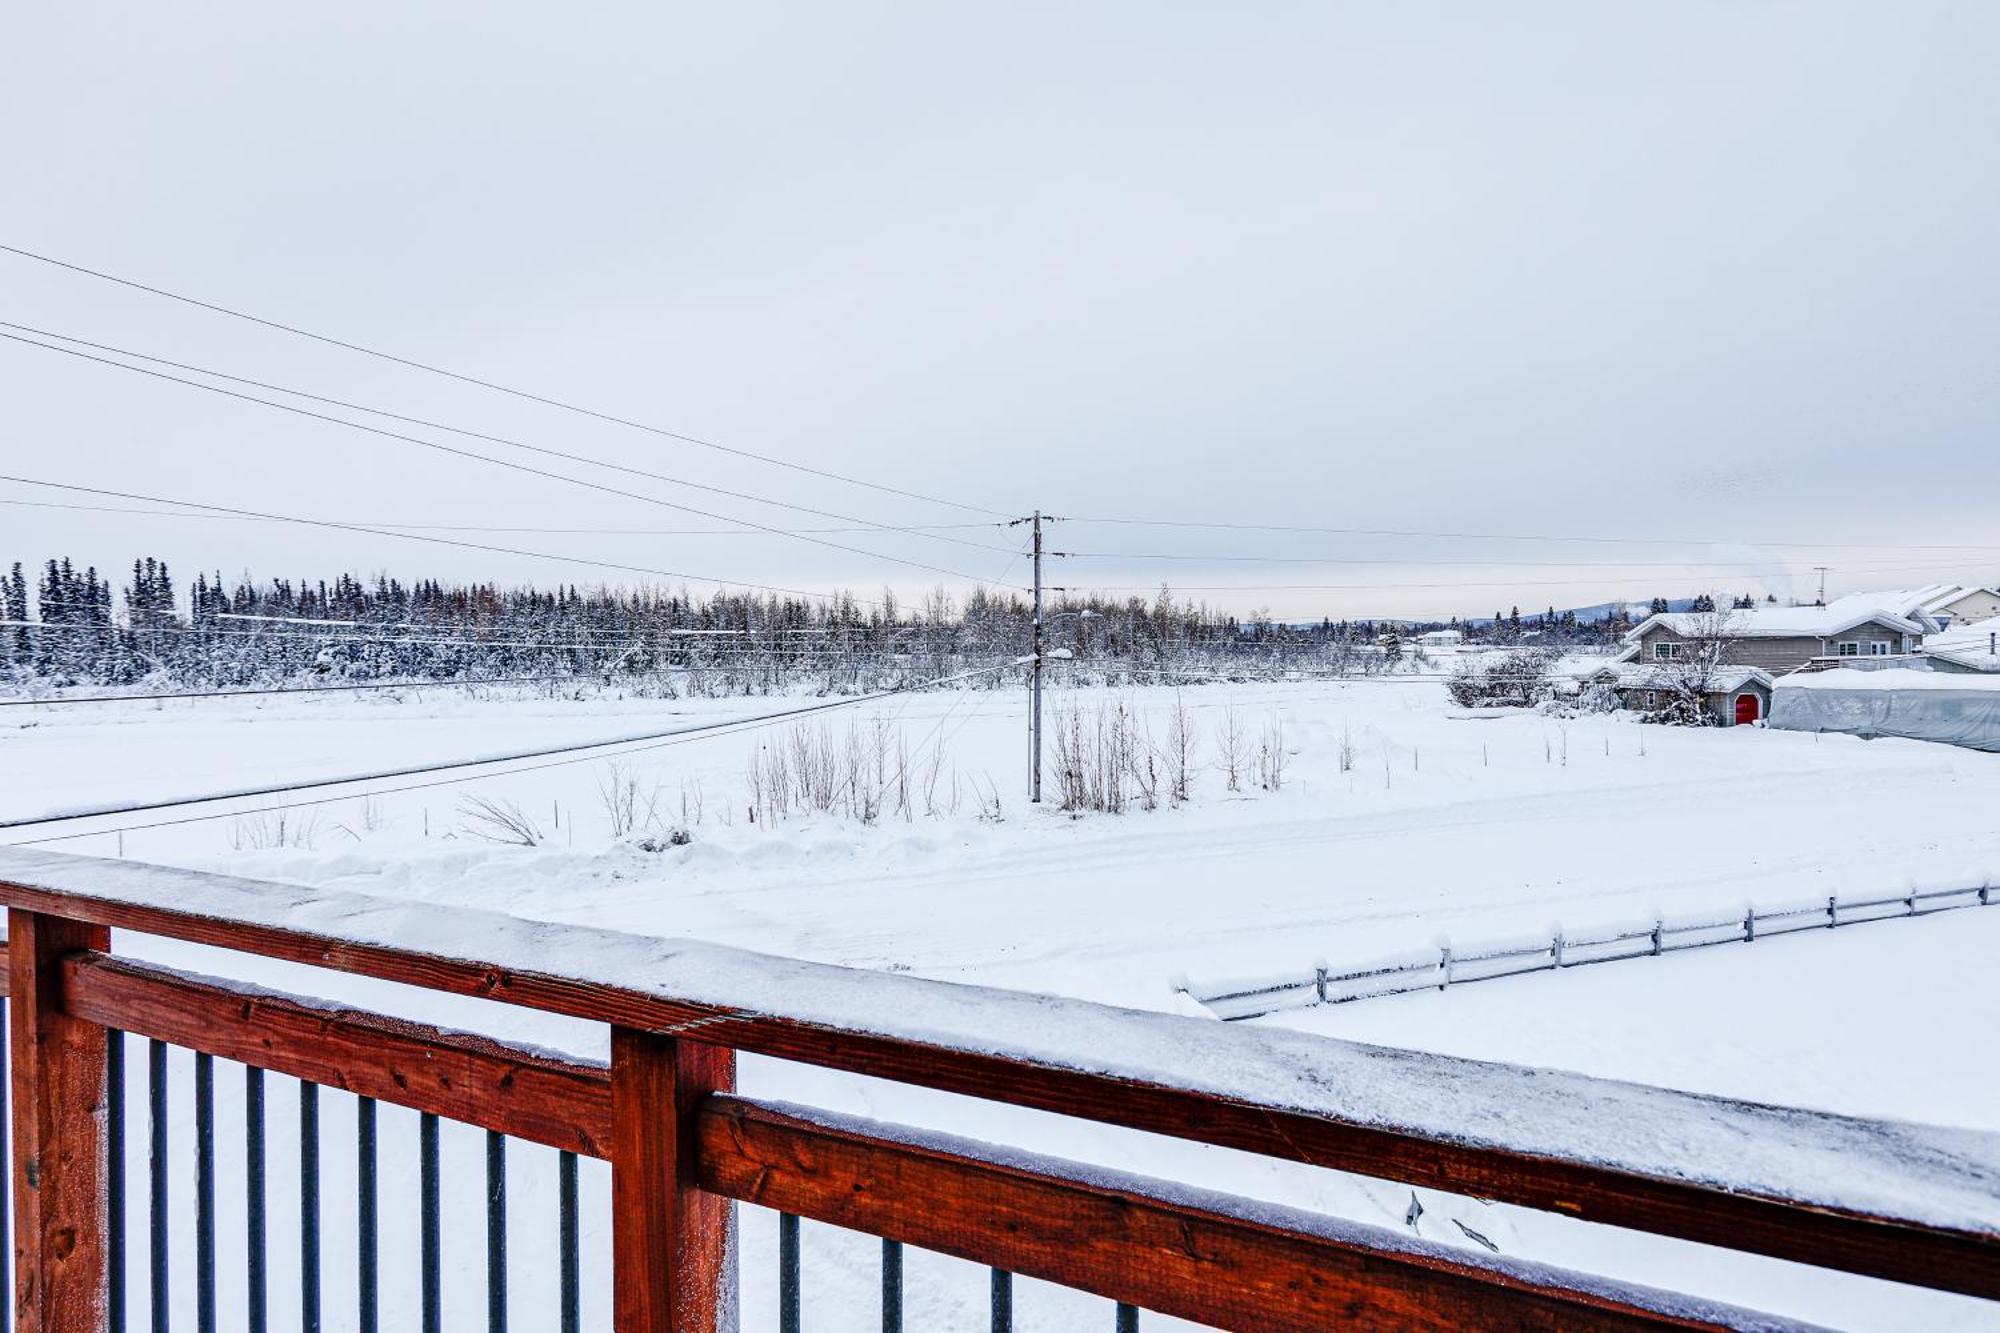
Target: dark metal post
column 204, row 1192
column 427, row 1176
column 788, row 1273
column 156, row 1128
column 253, row 1188
column 1003, row 1301
column 309, row 1307
column 367, row 1237
column 496, row 1232
column 569, row 1243
column 892, row 1286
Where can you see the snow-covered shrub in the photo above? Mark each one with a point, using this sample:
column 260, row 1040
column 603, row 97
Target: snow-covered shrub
column 1102, row 757
column 1180, row 753
column 1519, row 678
column 499, row 821
column 1232, row 748
column 1598, row 697
column 1271, row 756
column 1682, row 709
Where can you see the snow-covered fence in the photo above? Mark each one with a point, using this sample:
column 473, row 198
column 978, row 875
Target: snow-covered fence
column 684, row 1148
column 1455, row 965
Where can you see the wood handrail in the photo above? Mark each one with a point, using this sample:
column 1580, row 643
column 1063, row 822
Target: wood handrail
column 1816, row 1230
column 1181, row 1252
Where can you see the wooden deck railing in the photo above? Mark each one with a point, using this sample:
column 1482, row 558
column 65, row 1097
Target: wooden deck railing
column 683, row 1147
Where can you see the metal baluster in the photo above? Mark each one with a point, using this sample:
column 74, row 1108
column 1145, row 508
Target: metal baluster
column 156, row 1128
column 892, row 1286
column 788, row 1273
column 569, row 1243
column 427, row 1173
column 114, row 1133
column 204, row 1192
column 309, row 1308
column 496, row 1232
column 367, row 1244
column 1003, row 1301
column 253, row 1202
column 1128, row 1318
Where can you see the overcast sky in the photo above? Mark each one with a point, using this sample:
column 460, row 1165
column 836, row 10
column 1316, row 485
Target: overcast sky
column 1724, row 274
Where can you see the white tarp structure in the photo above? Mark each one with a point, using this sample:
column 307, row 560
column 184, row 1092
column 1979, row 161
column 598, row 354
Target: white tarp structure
column 1953, row 708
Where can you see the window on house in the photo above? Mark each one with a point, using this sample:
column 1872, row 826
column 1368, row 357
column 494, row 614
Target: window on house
column 1847, row 648
column 1880, row 648
column 1653, row 696
column 1666, row 652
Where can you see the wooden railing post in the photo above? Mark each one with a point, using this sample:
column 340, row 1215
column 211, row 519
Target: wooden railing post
column 60, row 1158
column 673, row 1252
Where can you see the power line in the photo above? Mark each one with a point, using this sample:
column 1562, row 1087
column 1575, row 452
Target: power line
column 510, row 443
column 614, row 639
column 572, row 532
column 661, row 740
column 495, row 387
column 437, row 541
column 1513, row 536
column 1728, row 565
column 306, row 689
column 476, row 456
column 1370, row 587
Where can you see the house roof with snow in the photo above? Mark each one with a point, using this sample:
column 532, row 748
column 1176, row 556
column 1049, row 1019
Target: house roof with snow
column 1940, row 596
column 1896, row 610
column 1968, row 645
column 1723, row 680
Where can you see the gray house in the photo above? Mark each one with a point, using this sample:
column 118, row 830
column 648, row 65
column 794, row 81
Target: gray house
column 1735, row 695
column 1778, row 639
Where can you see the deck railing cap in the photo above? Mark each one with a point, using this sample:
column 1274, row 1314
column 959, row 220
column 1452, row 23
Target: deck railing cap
column 1927, row 1175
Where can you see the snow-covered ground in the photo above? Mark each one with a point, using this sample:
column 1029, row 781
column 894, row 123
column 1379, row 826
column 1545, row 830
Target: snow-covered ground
column 1399, row 821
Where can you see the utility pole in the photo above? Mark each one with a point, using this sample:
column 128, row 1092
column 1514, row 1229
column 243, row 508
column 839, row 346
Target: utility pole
column 1035, row 670
column 1035, row 687
column 1821, row 570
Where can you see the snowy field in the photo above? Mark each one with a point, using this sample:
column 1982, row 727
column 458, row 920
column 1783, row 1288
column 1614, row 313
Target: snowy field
column 1398, row 821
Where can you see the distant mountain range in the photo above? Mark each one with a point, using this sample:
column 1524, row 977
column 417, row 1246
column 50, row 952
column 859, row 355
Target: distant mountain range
column 1635, row 611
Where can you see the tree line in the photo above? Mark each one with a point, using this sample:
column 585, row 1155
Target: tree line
column 70, row 626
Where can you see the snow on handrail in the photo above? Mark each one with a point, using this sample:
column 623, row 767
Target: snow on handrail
column 1929, row 1176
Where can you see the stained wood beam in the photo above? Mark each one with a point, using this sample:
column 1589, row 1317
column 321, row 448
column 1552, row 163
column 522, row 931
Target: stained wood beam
column 1128, row 1240
column 61, row 1162
column 522, row 1093
column 673, row 1259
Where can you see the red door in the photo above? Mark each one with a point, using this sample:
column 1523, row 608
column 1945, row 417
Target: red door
column 1746, row 709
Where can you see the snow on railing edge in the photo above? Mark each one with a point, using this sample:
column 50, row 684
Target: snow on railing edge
column 1934, row 1176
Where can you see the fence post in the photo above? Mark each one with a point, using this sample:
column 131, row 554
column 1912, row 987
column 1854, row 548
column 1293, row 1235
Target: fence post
column 1659, row 926
column 1749, row 924
column 1444, row 966
column 1556, row 949
column 61, row 1161
column 1319, row 983
column 1832, row 911
column 672, row 1249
